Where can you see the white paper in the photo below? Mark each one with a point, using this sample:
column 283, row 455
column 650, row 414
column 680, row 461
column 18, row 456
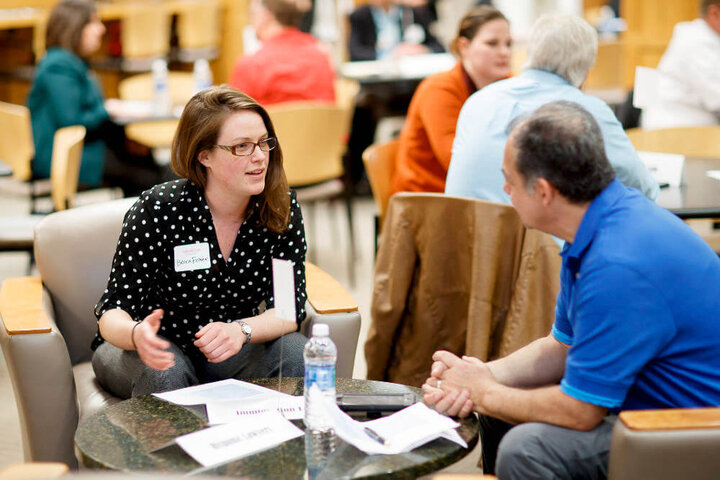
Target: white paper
column 289, row 406
column 247, row 435
column 645, row 92
column 665, row 167
column 421, row 66
column 713, row 174
column 224, row 390
column 284, row 289
column 404, row 430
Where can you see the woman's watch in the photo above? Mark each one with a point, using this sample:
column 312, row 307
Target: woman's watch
column 247, row 330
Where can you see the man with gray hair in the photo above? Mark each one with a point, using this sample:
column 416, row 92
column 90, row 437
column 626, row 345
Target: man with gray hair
column 635, row 322
column 561, row 51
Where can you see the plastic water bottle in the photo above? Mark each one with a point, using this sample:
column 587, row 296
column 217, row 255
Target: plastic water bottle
column 202, row 75
column 162, row 105
column 320, row 355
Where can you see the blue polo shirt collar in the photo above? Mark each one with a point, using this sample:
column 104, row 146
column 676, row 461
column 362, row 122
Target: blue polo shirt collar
column 544, row 77
column 590, row 222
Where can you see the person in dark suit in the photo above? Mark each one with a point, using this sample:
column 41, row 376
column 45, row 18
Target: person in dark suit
column 384, row 29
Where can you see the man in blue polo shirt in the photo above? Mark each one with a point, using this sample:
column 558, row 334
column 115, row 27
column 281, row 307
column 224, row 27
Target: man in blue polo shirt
column 636, row 322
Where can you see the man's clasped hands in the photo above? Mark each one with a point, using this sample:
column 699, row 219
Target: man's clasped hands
column 456, row 384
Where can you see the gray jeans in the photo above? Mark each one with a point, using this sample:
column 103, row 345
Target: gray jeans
column 122, row 373
column 534, row 451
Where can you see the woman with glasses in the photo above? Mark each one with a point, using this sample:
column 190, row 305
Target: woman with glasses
column 190, row 294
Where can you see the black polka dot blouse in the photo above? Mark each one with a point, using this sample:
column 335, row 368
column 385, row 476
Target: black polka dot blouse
column 144, row 277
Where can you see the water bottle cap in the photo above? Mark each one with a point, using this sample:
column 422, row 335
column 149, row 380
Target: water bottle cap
column 159, row 65
column 320, row 330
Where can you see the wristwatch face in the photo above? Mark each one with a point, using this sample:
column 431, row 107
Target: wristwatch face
column 247, row 330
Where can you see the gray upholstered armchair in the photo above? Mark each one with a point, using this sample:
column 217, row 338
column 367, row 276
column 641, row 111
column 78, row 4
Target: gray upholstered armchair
column 48, row 325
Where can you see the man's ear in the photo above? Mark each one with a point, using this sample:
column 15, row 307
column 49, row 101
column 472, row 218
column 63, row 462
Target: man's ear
column 545, row 191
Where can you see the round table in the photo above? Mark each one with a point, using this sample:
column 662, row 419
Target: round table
column 128, row 436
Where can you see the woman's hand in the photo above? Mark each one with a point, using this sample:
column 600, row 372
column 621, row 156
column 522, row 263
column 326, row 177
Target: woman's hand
column 219, row 341
column 152, row 349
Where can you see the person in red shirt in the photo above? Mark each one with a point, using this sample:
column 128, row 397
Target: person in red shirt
column 483, row 47
column 290, row 65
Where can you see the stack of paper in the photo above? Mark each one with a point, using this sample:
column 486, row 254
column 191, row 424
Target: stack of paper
column 227, row 400
column 400, row 432
column 252, row 418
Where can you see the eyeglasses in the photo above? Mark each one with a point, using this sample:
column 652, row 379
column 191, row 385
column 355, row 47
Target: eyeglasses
column 247, row 148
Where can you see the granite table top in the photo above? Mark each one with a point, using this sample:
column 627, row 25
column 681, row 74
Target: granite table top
column 128, row 436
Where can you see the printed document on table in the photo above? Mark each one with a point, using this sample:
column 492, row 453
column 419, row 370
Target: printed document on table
column 713, row 174
column 224, row 390
column 664, row 167
column 402, row 431
column 247, row 435
column 290, row 407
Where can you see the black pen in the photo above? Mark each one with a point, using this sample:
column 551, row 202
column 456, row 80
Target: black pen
column 375, row 436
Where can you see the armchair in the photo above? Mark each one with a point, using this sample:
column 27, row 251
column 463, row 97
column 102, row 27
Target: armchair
column 48, row 324
column 666, row 444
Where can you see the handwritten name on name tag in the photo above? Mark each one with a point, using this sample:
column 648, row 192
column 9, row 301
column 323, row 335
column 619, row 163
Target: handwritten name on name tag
column 194, row 256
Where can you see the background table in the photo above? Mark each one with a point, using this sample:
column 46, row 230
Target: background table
column 699, row 196
column 121, row 436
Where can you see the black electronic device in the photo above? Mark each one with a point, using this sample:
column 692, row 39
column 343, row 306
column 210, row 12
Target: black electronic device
column 375, row 402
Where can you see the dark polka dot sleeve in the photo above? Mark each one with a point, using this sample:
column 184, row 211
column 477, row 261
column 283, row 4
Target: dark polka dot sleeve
column 136, row 259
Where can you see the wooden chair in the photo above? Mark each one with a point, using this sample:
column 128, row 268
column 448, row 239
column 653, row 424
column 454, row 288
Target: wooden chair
column 701, row 142
column 16, row 233
column 34, row 471
column 155, row 133
column 346, row 90
column 144, row 35
column 689, row 141
column 312, row 136
column 379, row 161
column 47, row 325
column 141, row 87
column 198, row 31
column 16, row 142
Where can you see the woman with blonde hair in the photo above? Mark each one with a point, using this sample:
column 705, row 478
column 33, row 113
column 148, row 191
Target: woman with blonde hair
column 483, row 46
column 190, row 295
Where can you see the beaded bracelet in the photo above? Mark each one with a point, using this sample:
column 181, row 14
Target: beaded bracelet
column 132, row 334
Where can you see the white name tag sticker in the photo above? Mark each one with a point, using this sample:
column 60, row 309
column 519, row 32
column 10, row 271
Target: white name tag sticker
column 194, row 256
column 284, row 289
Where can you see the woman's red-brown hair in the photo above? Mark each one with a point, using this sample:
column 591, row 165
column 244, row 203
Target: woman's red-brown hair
column 198, row 130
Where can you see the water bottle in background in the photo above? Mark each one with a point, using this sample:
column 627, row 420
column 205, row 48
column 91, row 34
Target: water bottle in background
column 162, row 105
column 202, row 75
column 320, row 356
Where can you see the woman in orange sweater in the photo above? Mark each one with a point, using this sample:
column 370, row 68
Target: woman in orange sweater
column 483, row 46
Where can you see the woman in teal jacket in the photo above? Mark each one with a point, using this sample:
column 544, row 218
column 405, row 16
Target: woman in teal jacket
column 65, row 92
